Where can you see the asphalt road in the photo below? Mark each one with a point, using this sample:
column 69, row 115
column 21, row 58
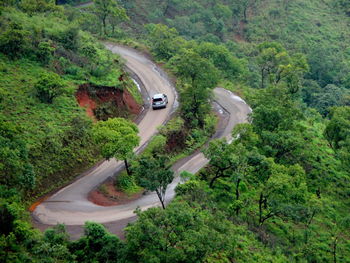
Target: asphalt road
column 71, row 206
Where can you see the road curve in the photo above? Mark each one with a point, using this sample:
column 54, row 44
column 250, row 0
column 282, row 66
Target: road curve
column 71, row 206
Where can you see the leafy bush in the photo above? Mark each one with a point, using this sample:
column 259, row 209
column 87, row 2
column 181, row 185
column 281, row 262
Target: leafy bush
column 13, row 40
column 45, row 51
column 15, row 169
column 48, row 87
column 127, row 183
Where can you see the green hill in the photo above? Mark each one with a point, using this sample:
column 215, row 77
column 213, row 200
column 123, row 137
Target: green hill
column 278, row 193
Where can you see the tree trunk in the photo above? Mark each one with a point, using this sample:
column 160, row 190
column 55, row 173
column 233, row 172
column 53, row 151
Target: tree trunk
column 165, row 13
column 127, row 167
column 245, row 10
column 261, row 200
column 237, row 194
column 311, row 217
column 318, row 193
column 104, row 25
column 335, row 250
column 160, row 198
column 211, row 184
column 262, row 78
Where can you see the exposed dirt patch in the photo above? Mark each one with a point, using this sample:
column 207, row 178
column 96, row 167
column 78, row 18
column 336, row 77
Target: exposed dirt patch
column 86, row 102
column 111, row 196
column 104, row 102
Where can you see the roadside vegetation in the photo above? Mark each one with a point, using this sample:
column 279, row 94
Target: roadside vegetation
column 45, row 57
column 278, row 193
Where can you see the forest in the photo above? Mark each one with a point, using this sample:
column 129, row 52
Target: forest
column 279, row 192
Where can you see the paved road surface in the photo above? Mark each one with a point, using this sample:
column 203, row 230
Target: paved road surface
column 70, row 205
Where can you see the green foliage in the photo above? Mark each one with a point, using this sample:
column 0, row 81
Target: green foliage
column 97, row 245
column 48, row 87
column 283, row 193
column 69, row 38
column 127, row 183
column 15, row 168
column 117, row 137
column 164, row 40
column 337, row 131
column 54, row 247
column 180, row 233
column 156, row 146
column 108, row 9
column 59, row 44
column 226, row 160
column 175, row 133
column 329, row 96
column 19, row 242
column 13, row 40
column 222, row 59
column 45, row 52
column 154, row 175
column 315, row 29
column 38, row 6
column 276, row 66
column 284, row 188
column 188, row 233
column 194, row 96
column 343, row 5
column 275, row 111
column 56, row 137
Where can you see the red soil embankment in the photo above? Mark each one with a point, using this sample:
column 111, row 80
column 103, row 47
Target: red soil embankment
column 33, row 206
column 90, row 101
column 112, row 196
column 86, row 102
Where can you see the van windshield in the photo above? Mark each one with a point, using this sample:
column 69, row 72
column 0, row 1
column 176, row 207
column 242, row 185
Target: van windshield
column 157, row 99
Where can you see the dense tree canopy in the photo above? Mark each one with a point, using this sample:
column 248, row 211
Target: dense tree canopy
column 117, row 138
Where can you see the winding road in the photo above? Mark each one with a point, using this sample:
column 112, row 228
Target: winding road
column 71, row 206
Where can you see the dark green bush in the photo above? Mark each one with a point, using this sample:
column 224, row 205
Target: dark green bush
column 48, row 87
column 13, row 40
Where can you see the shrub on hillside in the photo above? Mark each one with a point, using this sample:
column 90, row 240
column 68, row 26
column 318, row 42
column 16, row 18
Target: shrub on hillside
column 48, row 87
column 13, row 40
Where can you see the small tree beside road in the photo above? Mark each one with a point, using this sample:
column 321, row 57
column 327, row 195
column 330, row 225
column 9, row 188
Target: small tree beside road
column 117, row 137
column 154, row 175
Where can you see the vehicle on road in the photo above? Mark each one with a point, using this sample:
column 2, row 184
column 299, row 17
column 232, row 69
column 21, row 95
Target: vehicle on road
column 159, row 101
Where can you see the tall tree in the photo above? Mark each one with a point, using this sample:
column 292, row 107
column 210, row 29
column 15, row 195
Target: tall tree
column 164, row 41
column 277, row 66
column 221, row 159
column 221, row 58
column 117, row 137
column 108, row 8
column 201, row 76
column 280, row 189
